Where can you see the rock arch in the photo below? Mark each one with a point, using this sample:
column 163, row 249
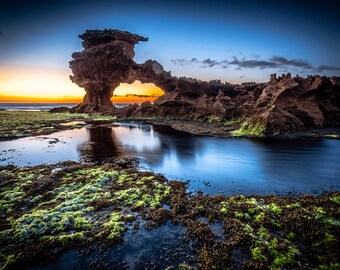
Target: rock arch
column 107, row 61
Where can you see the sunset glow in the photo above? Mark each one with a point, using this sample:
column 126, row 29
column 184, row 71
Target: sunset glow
column 32, row 84
column 136, row 92
column 37, row 83
column 138, row 88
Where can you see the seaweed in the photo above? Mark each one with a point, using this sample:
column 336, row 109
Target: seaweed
column 43, row 209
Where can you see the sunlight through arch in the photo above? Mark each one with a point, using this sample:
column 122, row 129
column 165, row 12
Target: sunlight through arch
column 136, row 92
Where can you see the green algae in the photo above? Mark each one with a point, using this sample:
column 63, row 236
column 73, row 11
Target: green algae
column 336, row 199
column 63, row 214
column 213, row 119
column 233, row 121
column 8, row 197
column 86, row 204
column 184, row 266
column 114, row 227
column 331, row 266
column 270, row 226
column 332, row 136
column 9, row 261
column 249, row 128
column 257, row 254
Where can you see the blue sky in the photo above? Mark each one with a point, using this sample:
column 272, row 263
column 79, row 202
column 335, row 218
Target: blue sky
column 233, row 41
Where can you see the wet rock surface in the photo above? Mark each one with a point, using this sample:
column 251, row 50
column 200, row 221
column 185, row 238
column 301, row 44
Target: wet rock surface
column 159, row 248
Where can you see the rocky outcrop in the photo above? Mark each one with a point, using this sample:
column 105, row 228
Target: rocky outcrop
column 283, row 104
column 107, row 61
column 59, row 109
column 200, row 100
column 287, row 104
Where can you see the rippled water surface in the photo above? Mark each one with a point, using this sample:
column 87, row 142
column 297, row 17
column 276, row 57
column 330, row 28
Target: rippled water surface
column 215, row 165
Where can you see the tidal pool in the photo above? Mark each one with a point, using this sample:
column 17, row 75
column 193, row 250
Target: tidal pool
column 214, row 165
column 159, row 248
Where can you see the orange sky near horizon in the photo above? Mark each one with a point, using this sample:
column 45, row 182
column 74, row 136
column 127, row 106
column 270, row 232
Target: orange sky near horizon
column 31, row 84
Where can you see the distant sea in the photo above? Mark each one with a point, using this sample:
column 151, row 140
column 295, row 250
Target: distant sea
column 39, row 106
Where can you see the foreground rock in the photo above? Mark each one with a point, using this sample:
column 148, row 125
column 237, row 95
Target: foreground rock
column 281, row 105
column 48, row 210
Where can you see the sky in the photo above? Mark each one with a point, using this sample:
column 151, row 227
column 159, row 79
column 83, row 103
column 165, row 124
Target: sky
column 234, row 41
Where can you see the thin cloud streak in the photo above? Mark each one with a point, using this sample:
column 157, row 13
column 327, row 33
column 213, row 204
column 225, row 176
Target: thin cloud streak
column 253, row 64
column 293, row 62
column 275, row 62
column 324, row 67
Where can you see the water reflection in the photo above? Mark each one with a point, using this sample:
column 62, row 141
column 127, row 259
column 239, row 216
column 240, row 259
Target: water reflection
column 229, row 165
column 101, row 144
column 300, row 159
column 152, row 145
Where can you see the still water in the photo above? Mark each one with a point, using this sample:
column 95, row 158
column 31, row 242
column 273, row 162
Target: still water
column 214, row 165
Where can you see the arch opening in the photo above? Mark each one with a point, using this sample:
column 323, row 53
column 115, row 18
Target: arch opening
column 136, row 92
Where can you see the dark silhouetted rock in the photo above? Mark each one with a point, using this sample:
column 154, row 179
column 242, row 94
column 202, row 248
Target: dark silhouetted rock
column 59, row 110
column 107, row 61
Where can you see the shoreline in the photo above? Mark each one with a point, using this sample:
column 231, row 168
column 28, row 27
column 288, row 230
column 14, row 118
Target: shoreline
column 19, row 124
column 200, row 128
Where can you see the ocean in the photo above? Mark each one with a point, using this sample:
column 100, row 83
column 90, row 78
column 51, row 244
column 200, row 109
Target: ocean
column 39, row 106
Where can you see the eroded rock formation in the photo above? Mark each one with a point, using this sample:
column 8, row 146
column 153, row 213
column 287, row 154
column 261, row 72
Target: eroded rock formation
column 298, row 103
column 107, row 61
column 283, row 104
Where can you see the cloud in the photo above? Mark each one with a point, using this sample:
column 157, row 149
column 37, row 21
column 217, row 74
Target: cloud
column 209, row 63
column 253, row 63
column 179, row 61
column 324, row 67
column 203, row 64
column 293, row 62
column 280, row 63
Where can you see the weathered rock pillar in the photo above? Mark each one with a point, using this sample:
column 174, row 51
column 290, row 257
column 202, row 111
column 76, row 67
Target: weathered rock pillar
column 104, row 63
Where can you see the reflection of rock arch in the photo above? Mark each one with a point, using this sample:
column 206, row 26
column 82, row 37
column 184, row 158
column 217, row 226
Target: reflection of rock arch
column 105, row 142
column 102, row 144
